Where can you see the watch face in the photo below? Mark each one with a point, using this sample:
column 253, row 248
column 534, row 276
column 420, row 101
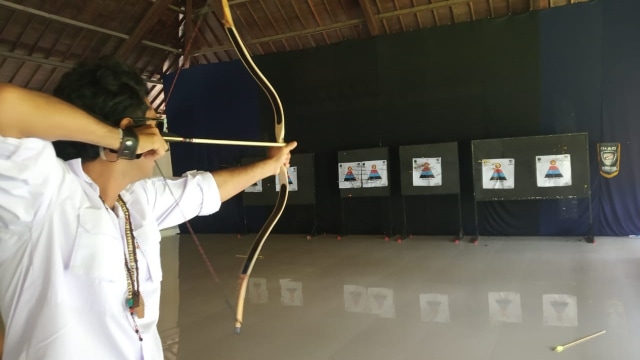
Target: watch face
column 128, row 145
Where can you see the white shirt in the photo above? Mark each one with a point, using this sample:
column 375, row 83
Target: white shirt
column 62, row 253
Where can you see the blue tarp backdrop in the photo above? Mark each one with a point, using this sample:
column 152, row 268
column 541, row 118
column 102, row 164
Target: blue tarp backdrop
column 591, row 82
column 214, row 102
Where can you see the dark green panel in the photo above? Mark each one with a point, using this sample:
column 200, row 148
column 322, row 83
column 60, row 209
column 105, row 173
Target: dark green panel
column 448, row 168
column 328, row 93
column 306, row 176
column 524, row 152
column 365, row 156
column 463, row 82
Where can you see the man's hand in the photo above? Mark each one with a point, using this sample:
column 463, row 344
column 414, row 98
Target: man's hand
column 281, row 156
column 150, row 142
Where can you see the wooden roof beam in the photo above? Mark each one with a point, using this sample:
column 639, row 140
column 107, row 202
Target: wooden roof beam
column 150, row 18
column 188, row 34
column 52, row 63
column 421, row 8
column 81, row 25
column 369, row 17
column 207, row 8
column 335, row 26
column 340, row 25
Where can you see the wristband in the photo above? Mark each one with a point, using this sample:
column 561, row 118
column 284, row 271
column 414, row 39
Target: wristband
column 128, row 144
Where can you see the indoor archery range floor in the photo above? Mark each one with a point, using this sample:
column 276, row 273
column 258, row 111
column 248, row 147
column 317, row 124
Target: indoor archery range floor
column 362, row 298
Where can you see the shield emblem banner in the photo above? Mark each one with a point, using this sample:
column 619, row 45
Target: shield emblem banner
column 609, row 159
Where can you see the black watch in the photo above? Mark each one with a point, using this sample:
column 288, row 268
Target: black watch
column 128, row 144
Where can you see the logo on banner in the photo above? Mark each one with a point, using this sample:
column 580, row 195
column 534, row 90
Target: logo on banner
column 609, row 159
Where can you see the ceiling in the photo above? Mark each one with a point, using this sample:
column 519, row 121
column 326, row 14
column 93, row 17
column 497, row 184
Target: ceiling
column 41, row 39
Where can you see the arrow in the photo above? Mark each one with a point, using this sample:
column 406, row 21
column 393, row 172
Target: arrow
column 221, row 142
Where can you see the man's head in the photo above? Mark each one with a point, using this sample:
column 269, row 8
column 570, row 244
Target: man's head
column 107, row 89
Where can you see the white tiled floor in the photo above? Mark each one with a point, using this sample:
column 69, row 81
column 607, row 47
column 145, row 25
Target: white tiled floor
column 426, row 298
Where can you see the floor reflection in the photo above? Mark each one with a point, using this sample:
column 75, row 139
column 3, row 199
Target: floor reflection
column 363, row 298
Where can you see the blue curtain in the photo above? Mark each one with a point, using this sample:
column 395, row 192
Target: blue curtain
column 591, row 82
column 218, row 101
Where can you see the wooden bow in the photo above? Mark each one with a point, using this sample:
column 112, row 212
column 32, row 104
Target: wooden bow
column 254, row 251
column 278, row 112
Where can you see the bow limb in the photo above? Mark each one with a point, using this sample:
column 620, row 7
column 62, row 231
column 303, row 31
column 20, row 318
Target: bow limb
column 282, row 174
column 176, row 202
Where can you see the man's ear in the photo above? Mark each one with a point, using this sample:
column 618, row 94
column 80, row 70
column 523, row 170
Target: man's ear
column 126, row 122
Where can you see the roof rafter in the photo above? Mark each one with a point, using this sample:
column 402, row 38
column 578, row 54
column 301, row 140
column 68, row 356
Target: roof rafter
column 150, row 18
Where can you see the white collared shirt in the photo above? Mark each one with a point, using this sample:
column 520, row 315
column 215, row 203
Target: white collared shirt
column 62, row 255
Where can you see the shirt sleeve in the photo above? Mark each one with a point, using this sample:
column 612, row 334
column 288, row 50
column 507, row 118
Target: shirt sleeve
column 175, row 201
column 29, row 174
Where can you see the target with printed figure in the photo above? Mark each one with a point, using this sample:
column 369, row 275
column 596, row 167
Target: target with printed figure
column 363, row 172
column 553, row 170
column 427, row 171
column 542, row 167
column 292, row 178
column 377, row 173
column 350, row 175
column 498, row 173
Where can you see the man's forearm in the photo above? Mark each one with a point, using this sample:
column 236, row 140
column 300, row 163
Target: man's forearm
column 234, row 180
column 25, row 113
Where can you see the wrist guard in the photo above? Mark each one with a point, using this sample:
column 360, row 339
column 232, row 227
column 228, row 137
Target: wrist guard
column 128, row 144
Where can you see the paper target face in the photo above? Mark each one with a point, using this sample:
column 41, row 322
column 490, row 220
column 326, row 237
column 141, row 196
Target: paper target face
column 498, row 173
column 292, row 172
column 350, row 175
column 256, row 187
column 427, row 171
column 553, row 170
column 374, row 173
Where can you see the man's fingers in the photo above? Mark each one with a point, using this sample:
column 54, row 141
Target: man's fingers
column 150, row 142
column 153, row 154
column 292, row 145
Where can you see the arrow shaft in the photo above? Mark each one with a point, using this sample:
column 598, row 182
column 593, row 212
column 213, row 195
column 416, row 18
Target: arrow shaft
column 584, row 339
column 222, row 142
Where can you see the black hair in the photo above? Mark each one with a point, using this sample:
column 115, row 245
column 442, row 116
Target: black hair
column 106, row 88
